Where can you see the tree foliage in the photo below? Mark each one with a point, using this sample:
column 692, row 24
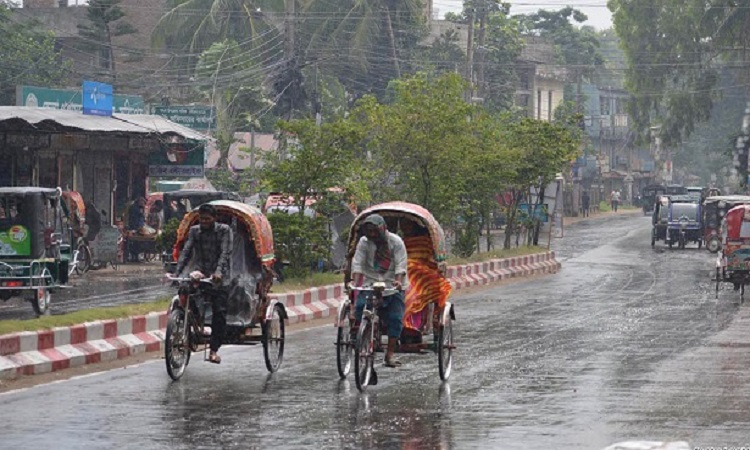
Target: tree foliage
column 105, row 21
column 28, row 57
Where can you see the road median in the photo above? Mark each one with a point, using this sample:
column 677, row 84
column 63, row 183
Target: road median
column 37, row 352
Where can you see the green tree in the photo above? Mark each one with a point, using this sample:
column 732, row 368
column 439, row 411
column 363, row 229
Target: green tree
column 363, row 42
column 105, row 21
column 541, row 150
column 28, row 57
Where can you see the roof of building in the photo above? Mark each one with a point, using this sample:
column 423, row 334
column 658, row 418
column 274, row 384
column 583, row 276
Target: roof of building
column 52, row 119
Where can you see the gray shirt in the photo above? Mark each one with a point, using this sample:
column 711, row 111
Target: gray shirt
column 364, row 262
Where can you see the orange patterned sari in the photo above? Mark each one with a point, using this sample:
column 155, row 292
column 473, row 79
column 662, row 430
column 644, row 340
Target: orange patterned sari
column 426, row 285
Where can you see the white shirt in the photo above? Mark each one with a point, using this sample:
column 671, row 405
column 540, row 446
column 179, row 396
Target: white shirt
column 364, row 262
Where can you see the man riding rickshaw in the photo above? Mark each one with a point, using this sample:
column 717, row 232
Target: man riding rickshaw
column 374, row 277
column 224, row 255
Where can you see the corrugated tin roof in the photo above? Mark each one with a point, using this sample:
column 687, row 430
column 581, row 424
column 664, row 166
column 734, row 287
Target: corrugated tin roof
column 160, row 124
column 124, row 123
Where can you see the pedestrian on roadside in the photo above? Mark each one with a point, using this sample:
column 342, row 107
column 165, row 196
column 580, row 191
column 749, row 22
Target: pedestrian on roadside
column 614, row 199
column 585, row 203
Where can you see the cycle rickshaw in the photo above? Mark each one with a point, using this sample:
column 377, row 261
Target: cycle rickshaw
column 252, row 316
column 34, row 255
column 75, row 211
column 733, row 262
column 429, row 314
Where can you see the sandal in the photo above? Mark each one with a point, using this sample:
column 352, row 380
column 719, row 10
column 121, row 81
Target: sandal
column 214, row 358
column 394, row 362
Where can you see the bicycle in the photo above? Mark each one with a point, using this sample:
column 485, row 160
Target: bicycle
column 81, row 261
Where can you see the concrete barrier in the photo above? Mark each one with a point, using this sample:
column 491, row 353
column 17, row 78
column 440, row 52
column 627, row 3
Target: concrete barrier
column 37, row 352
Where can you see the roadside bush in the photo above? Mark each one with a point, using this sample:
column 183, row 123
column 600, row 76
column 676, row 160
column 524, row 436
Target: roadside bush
column 166, row 240
column 301, row 241
column 604, row 206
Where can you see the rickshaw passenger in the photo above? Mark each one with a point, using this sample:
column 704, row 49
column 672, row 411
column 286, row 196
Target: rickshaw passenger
column 212, row 243
column 426, row 285
column 381, row 256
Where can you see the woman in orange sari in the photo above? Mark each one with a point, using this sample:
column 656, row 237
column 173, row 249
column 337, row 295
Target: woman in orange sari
column 426, row 284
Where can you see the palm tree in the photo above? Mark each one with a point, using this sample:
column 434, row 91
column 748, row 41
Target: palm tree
column 366, row 40
column 192, row 26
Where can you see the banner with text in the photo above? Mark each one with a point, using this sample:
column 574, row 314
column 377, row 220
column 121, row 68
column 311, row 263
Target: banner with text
column 37, row 97
column 179, row 160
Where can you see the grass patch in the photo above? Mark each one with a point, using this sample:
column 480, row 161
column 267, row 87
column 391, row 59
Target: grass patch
column 604, row 206
column 78, row 317
column 312, row 280
column 496, row 254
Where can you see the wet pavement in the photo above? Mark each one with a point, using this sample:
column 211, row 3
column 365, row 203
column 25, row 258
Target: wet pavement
column 625, row 343
column 130, row 284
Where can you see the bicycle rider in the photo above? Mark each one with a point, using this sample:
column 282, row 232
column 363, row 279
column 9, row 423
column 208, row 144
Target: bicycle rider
column 381, row 256
column 212, row 244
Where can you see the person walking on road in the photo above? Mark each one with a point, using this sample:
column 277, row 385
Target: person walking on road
column 614, row 199
column 585, row 203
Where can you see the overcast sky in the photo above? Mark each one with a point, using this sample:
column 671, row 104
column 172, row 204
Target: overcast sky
column 599, row 16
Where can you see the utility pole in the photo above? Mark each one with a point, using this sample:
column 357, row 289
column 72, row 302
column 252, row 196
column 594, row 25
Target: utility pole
column 483, row 14
column 289, row 28
column 470, row 51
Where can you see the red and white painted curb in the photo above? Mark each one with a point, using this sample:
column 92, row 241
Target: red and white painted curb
column 32, row 353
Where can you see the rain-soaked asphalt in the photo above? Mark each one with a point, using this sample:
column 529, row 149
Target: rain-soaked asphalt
column 625, row 343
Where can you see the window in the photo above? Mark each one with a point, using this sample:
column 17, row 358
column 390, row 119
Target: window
column 604, row 106
column 549, row 106
column 539, row 104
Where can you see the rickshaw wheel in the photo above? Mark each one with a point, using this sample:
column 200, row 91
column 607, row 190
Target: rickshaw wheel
column 343, row 345
column 84, row 259
column 364, row 355
column 445, row 349
column 41, row 300
column 273, row 340
column 175, row 325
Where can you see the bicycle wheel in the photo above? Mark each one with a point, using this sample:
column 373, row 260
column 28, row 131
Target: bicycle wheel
column 83, row 260
column 364, row 355
column 344, row 345
column 445, row 349
column 273, row 340
column 176, row 345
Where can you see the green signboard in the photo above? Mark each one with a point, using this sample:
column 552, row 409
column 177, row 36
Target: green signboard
column 37, row 97
column 15, row 241
column 199, row 118
column 183, row 160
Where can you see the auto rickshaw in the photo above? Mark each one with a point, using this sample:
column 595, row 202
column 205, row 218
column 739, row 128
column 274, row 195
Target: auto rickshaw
column 429, row 314
column 34, row 257
column 252, row 316
column 659, row 220
column 714, row 209
column 684, row 222
column 651, row 193
column 733, row 262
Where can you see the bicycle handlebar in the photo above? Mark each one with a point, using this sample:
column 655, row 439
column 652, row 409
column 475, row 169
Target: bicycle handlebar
column 181, row 279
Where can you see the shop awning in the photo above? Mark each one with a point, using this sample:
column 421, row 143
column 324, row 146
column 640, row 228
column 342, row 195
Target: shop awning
column 55, row 119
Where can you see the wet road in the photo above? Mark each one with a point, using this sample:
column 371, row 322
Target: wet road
column 98, row 288
column 625, row 343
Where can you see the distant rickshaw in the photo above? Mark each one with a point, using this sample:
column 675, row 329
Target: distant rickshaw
column 35, row 248
column 429, row 314
column 714, row 210
column 650, row 195
column 684, row 224
column 252, row 316
column 733, row 262
column 75, row 213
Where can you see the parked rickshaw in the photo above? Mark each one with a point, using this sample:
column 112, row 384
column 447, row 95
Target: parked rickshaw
column 660, row 219
column 733, row 262
column 650, row 195
column 714, row 209
column 75, row 213
column 252, row 316
column 434, row 321
column 684, row 223
column 34, row 259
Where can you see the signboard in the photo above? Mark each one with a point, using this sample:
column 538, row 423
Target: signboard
column 97, row 99
column 180, row 160
column 72, row 100
column 200, row 118
column 105, row 247
column 540, row 211
column 15, row 241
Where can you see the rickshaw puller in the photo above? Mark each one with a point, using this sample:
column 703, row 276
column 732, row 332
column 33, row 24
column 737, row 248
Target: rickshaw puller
column 381, row 256
column 212, row 243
